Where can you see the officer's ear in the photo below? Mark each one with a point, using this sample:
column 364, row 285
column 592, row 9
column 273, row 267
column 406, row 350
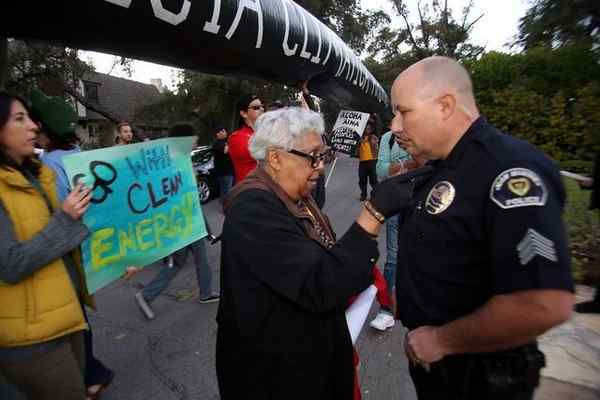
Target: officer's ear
column 448, row 106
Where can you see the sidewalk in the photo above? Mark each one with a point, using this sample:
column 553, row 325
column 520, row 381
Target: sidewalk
column 573, row 356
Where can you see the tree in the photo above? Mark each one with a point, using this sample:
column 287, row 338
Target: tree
column 435, row 31
column 547, row 97
column 55, row 70
column 556, row 23
column 354, row 25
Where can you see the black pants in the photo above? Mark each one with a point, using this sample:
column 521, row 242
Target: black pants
column 459, row 378
column 367, row 171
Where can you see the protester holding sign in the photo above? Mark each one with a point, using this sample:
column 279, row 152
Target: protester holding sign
column 41, row 280
column 250, row 107
column 368, row 148
column 56, row 120
column 285, row 279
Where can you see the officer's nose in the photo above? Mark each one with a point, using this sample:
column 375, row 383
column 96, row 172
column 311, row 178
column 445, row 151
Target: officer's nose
column 397, row 126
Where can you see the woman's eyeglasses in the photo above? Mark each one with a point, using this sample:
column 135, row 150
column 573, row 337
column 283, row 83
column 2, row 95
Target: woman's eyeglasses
column 315, row 159
column 256, row 108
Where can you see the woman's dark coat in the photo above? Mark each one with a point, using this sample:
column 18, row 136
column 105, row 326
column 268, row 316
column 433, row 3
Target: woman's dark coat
column 282, row 332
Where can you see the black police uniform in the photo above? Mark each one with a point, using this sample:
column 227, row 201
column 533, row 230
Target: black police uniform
column 488, row 222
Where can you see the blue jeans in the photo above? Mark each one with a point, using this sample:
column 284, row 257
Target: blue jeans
column 391, row 258
column 166, row 274
column 225, row 184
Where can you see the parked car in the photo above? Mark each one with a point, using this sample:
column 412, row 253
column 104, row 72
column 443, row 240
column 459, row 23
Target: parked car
column 203, row 163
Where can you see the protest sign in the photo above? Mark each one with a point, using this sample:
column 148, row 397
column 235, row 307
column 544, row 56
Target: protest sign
column 144, row 207
column 276, row 40
column 348, row 130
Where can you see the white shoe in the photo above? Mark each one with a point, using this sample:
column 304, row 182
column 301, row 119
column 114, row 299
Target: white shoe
column 383, row 320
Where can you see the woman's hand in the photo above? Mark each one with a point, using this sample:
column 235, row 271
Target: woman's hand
column 395, row 194
column 77, row 202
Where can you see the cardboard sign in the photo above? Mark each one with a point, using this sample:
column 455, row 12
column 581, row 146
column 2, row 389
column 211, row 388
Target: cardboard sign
column 144, row 207
column 276, row 40
column 348, row 130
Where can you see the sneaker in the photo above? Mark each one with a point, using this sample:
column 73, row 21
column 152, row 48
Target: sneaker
column 382, row 321
column 144, row 306
column 213, row 298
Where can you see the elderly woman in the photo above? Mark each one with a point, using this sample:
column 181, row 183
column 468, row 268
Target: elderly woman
column 285, row 279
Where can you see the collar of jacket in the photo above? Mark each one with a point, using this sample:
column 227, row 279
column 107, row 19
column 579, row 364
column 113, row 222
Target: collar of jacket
column 15, row 178
column 260, row 179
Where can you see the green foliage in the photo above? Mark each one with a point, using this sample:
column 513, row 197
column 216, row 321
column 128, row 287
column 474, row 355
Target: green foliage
column 547, row 97
column 583, row 227
column 557, row 23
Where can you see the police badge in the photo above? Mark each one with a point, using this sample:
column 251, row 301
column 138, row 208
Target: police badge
column 440, row 197
column 518, row 187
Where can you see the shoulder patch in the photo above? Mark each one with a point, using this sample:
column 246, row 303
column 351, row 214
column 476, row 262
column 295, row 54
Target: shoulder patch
column 518, row 187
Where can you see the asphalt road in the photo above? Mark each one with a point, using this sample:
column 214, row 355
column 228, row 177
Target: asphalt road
column 172, row 357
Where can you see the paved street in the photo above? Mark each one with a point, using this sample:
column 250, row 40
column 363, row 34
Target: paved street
column 172, row 357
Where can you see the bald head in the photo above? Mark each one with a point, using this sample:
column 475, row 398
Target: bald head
column 433, row 106
column 437, row 76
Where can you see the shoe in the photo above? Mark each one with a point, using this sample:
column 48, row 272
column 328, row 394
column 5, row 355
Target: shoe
column 363, row 197
column 382, row 321
column 213, row 298
column 589, row 307
column 144, row 306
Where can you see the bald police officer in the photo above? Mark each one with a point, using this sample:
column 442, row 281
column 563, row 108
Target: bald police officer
column 484, row 249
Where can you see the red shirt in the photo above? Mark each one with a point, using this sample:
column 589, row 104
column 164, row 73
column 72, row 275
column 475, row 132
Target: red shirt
column 243, row 163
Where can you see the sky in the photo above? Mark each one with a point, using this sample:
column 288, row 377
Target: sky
column 498, row 26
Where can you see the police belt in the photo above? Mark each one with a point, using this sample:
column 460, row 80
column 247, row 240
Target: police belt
column 494, row 374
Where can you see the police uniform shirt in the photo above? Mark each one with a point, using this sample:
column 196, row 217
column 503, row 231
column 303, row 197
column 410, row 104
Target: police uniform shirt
column 488, row 222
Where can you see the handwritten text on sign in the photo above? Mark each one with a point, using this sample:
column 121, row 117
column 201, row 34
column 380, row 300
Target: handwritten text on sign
column 348, row 130
column 144, row 206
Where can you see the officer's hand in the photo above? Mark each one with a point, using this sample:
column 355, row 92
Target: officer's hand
column 396, row 193
column 423, row 346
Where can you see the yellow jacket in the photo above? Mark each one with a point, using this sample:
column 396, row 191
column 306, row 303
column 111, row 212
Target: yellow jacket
column 43, row 306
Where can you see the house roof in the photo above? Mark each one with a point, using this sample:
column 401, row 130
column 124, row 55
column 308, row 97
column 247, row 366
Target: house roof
column 121, row 97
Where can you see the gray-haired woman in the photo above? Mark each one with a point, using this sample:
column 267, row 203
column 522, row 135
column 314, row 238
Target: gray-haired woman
column 285, row 280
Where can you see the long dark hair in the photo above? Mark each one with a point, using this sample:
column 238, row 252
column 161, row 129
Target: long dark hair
column 30, row 164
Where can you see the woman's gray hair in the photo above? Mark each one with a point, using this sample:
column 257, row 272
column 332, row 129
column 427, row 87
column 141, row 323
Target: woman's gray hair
column 282, row 129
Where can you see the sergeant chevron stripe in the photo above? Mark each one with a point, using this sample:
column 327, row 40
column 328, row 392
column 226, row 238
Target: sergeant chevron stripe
column 536, row 244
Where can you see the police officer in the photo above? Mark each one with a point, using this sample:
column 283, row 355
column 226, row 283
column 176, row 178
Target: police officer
column 484, row 249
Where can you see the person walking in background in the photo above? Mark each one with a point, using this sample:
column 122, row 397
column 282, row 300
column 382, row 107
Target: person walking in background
column 593, row 306
column 392, row 160
column 42, row 284
column 368, row 147
column 223, row 165
column 56, row 121
column 250, row 107
column 168, row 272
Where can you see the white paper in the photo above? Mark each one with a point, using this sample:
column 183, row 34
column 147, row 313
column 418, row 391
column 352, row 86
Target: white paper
column 577, row 177
column 357, row 313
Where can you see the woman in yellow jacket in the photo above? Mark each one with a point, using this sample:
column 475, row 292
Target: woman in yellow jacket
column 41, row 280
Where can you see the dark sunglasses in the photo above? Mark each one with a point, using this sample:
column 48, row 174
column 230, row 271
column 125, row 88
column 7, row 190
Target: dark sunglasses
column 315, row 159
column 256, row 108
